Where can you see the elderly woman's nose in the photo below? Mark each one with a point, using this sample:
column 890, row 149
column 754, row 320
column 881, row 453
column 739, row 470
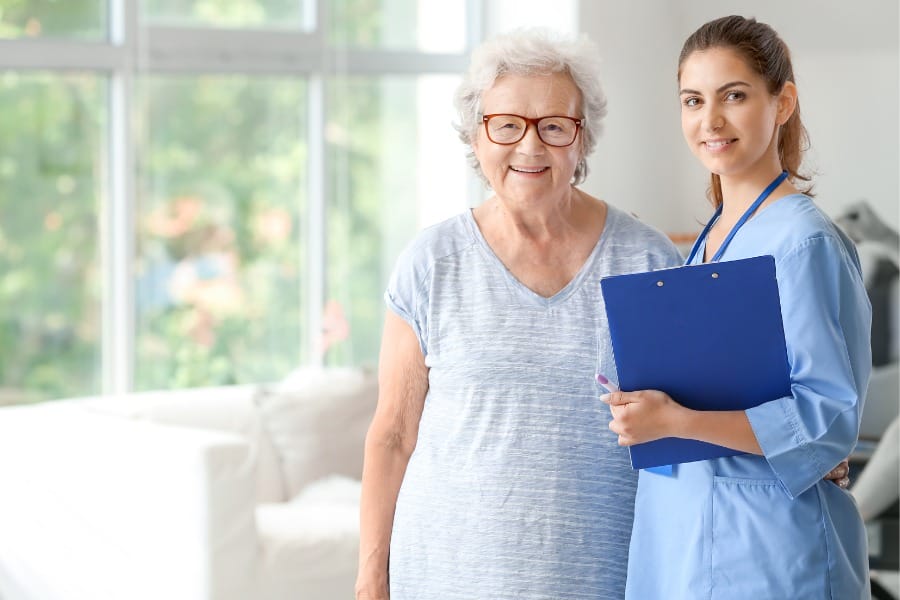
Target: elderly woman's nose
column 531, row 142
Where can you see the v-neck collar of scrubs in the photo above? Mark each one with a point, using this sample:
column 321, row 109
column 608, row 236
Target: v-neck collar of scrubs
column 764, row 214
column 526, row 292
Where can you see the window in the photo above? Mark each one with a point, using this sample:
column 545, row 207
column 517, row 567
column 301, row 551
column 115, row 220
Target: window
column 383, row 178
column 200, row 193
column 222, row 198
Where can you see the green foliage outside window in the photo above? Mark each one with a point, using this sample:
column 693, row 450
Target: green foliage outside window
column 83, row 19
column 372, row 149
column 221, row 293
column 225, row 13
column 51, row 139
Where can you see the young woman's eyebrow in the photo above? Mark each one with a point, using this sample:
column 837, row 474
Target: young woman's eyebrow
column 720, row 89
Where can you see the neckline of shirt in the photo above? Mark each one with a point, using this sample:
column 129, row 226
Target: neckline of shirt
column 612, row 218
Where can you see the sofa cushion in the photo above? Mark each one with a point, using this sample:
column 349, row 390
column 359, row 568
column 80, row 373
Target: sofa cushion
column 317, row 419
column 312, row 542
column 228, row 408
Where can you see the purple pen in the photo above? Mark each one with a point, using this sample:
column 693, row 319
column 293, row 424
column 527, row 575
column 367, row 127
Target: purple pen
column 605, row 382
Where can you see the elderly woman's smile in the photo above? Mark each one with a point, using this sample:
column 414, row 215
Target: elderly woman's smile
column 529, row 170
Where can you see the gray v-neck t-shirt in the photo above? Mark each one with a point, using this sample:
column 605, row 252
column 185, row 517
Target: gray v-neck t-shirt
column 517, row 488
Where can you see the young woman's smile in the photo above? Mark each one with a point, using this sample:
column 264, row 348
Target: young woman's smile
column 716, row 146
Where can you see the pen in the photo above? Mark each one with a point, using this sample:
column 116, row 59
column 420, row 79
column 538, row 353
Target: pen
column 605, row 382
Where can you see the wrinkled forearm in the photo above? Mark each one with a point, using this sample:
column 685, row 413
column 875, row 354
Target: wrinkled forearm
column 385, row 464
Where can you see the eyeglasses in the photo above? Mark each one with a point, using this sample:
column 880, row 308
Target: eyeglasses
column 553, row 131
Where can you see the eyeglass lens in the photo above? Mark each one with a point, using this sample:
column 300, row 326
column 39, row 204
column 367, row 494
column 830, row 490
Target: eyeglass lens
column 508, row 129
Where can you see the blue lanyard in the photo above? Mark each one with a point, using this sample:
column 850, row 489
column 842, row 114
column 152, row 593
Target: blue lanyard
column 762, row 198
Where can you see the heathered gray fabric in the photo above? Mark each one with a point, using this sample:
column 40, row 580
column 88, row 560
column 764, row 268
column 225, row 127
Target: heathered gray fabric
column 517, row 488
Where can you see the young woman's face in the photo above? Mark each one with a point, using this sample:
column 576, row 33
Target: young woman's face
column 529, row 170
column 728, row 117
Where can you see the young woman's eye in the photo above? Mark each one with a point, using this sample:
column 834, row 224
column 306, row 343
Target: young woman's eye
column 735, row 96
column 691, row 101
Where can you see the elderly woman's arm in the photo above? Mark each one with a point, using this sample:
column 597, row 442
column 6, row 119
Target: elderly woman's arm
column 402, row 382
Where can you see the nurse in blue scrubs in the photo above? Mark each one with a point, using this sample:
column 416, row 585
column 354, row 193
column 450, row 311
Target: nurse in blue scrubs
column 763, row 525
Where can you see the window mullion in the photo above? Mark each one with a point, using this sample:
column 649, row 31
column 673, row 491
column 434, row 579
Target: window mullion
column 316, row 250
column 118, row 234
column 57, row 55
column 475, row 29
column 476, row 16
column 229, row 51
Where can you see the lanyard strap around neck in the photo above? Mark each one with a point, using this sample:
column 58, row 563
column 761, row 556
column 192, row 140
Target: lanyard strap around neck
column 747, row 214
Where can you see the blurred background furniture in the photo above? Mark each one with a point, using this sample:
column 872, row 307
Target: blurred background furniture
column 231, row 493
column 876, row 460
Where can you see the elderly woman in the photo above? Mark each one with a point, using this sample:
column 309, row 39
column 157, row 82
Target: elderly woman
column 490, row 471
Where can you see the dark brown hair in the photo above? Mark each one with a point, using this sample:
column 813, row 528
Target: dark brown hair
column 768, row 55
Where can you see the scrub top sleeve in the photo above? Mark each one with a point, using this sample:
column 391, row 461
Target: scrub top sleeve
column 827, row 321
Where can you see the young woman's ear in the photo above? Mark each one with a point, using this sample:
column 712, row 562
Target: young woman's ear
column 787, row 102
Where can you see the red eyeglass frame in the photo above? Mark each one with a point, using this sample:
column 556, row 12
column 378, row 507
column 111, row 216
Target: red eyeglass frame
column 579, row 125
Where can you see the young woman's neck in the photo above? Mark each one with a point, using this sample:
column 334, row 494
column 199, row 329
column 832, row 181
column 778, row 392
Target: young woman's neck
column 739, row 192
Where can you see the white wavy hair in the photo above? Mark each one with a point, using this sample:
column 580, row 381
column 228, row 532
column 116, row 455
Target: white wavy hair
column 533, row 52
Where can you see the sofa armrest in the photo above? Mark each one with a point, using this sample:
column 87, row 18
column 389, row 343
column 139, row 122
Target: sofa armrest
column 98, row 507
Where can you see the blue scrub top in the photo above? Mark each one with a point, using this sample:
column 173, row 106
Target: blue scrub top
column 761, row 527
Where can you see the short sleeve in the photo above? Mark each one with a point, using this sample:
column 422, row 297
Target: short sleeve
column 403, row 294
column 827, row 321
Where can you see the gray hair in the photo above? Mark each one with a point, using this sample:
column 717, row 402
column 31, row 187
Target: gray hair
column 532, row 52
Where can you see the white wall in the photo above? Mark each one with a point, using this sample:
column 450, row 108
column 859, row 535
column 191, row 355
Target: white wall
column 501, row 16
column 635, row 165
column 847, row 68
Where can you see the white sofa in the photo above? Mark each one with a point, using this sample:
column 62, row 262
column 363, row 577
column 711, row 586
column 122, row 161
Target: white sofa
column 232, row 493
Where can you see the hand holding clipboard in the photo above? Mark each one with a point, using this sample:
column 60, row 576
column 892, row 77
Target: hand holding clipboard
column 709, row 335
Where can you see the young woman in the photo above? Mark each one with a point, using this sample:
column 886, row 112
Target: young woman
column 763, row 524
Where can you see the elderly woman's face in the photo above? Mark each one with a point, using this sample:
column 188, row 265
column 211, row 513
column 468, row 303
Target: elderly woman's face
column 529, row 170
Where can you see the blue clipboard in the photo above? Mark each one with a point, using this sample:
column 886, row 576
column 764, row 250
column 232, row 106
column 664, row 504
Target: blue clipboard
column 710, row 335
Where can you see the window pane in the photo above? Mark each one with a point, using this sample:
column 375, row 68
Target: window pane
column 396, row 165
column 83, row 19
column 423, row 25
column 52, row 131
column 221, row 292
column 288, row 14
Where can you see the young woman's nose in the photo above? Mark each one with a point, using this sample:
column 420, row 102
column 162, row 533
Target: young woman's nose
column 713, row 120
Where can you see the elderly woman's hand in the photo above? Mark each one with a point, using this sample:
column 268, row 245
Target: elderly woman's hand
column 643, row 416
column 840, row 475
column 372, row 583
column 370, row 590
